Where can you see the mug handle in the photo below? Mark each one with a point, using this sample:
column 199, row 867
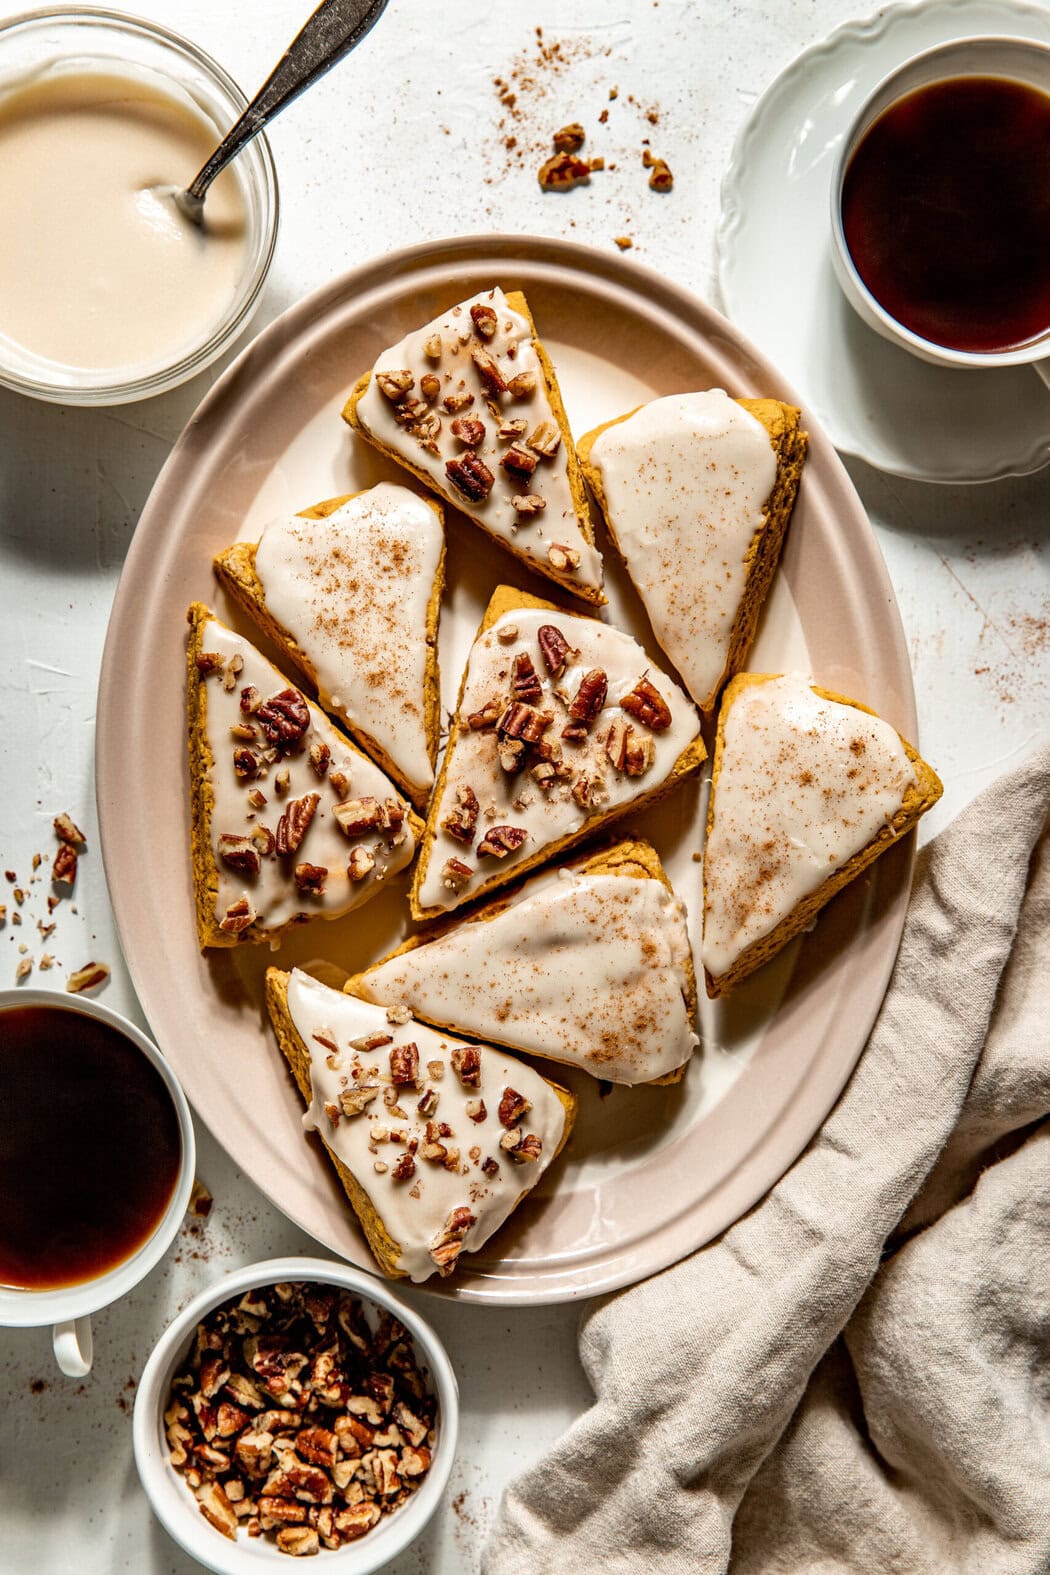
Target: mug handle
column 1042, row 370
column 74, row 1346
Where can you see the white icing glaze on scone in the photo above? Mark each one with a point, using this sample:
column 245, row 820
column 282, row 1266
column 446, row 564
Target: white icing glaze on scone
column 353, row 590
column 416, row 1204
column 686, row 482
column 430, row 443
column 805, row 783
column 517, row 800
column 588, row 969
column 272, row 893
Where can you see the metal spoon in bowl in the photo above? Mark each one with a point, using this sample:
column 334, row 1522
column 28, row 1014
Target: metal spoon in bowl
column 335, row 28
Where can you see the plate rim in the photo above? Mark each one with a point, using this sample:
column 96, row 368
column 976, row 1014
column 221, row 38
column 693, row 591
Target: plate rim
column 618, row 1267
column 863, row 32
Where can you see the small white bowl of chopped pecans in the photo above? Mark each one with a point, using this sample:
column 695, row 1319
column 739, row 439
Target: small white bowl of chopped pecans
column 296, row 1408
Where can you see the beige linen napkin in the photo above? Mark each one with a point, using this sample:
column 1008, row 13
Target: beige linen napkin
column 856, row 1376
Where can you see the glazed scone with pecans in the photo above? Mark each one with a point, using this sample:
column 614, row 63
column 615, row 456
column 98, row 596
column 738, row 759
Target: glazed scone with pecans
column 436, row 1142
column 808, row 789
column 697, row 490
column 289, row 820
column 563, row 726
column 350, row 591
column 470, row 404
column 589, row 965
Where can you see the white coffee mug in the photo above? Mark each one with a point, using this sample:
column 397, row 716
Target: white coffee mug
column 69, row 1307
column 1024, row 60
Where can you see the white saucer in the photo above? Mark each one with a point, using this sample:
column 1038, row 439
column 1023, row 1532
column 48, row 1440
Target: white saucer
column 877, row 402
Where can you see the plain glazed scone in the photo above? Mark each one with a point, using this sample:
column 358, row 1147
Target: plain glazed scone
column 808, row 789
column 469, row 403
column 350, row 591
column 562, row 727
column 289, row 820
column 436, row 1142
column 697, row 491
column 589, row 965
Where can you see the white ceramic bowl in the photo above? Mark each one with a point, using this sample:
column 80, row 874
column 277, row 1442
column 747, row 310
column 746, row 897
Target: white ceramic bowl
column 174, row 1503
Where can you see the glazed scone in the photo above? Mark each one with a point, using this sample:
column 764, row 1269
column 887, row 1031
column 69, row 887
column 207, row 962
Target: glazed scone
column 808, row 789
column 469, row 403
column 589, row 965
column 563, row 725
column 289, row 820
column 350, row 591
column 697, row 491
column 435, row 1141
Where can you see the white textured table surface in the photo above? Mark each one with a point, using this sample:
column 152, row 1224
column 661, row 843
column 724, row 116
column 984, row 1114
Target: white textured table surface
column 405, row 142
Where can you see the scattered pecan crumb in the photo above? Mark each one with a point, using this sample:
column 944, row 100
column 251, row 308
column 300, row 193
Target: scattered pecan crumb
column 570, row 138
column 563, row 171
column 624, row 242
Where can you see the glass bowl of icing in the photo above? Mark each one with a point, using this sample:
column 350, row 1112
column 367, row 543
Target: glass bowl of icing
column 108, row 293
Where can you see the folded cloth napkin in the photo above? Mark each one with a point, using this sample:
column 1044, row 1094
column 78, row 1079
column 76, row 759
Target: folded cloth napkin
column 856, row 1376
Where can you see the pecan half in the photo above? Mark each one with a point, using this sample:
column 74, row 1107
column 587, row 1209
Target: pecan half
column 462, row 821
column 310, row 878
column 487, row 370
column 501, row 840
column 648, row 705
column 284, row 718
column 470, row 476
column 469, row 431
column 295, row 822
column 554, row 648
column 239, row 853
column 586, row 703
column 484, row 320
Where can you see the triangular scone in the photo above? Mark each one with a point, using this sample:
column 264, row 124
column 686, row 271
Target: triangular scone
column 697, row 490
column 808, row 789
column 290, row 821
column 589, row 965
column 563, row 726
column 350, row 591
column 469, row 403
column 435, row 1141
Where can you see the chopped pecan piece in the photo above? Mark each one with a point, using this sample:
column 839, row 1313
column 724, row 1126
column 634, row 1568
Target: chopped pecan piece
column 257, row 798
column 320, row 757
column 432, row 348
column 554, row 648
column 282, row 781
column 570, row 138
column 360, row 864
column 562, row 558
column 404, row 1168
column 501, row 840
column 239, row 853
column 476, row 1111
column 298, row 1541
column 295, row 822
column 355, row 1101
column 429, row 386
column 469, row 431
column 428, row 1103
column 209, row 662
column 648, row 705
column 512, row 1107
column 250, row 701
column 244, row 732
column 528, row 504
column 524, row 722
column 359, row 815
column 487, row 369
column 484, row 320
column 529, row 1149
column 64, row 865
column 562, row 171
column 490, row 1166
column 462, row 821
column 449, row 1244
column 514, row 427
column 459, row 399
column 404, row 1063
column 245, row 764
column 284, row 718
column 217, row 1509
column 524, row 680
column 522, row 385
column 339, row 782
column 239, row 916
column 466, row 1063
column 488, row 716
column 545, row 439
column 511, row 755
column 87, row 978
column 66, row 829
column 470, row 476
column 511, row 1139
column 409, row 412
column 310, row 878
column 616, row 743
column 639, row 754
column 395, row 385
column 519, row 460
column 455, row 874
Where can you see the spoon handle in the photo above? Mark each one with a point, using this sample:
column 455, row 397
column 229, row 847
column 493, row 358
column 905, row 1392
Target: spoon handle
column 336, row 27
